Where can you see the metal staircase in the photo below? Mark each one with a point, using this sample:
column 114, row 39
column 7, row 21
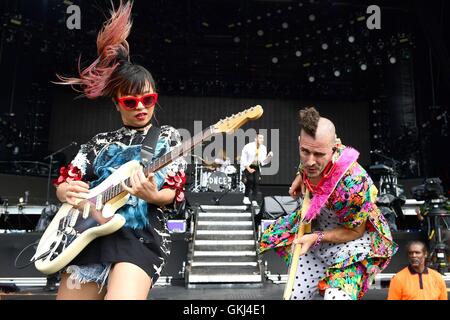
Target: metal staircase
column 223, row 251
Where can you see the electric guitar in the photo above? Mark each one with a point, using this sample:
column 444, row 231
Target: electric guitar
column 73, row 228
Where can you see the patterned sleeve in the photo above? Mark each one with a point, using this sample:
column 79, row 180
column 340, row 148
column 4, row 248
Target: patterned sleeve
column 355, row 198
column 78, row 167
column 173, row 176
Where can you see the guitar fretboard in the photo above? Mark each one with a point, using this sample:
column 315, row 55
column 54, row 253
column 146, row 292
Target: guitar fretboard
column 161, row 162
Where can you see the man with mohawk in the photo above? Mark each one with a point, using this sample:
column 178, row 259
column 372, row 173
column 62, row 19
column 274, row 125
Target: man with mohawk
column 351, row 241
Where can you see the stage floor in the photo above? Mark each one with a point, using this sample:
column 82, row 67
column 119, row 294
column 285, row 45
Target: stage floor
column 269, row 291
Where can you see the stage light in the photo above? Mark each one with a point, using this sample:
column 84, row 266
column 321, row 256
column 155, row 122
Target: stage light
column 285, row 25
column 351, row 39
column 363, row 65
column 360, row 18
column 324, row 46
column 258, row 18
column 311, row 78
column 298, row 53
column 403, row 39
column 16, row 21
column 311, row 17
column 392, row 59
column 274, row 60
column 237, row 39
column 337, row 73
column 260, row 33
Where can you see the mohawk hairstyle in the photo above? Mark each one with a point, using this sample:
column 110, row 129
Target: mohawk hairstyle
column 309, row 118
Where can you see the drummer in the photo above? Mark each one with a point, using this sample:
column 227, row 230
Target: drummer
column 224, row 163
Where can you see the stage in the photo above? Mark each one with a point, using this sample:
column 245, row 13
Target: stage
column 269, row 291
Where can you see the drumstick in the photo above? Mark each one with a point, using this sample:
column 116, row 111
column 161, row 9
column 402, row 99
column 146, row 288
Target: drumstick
column 297, row 248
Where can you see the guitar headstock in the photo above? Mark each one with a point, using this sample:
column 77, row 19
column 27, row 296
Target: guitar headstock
column 234, row 122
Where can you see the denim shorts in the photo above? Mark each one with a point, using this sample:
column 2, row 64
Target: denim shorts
column 97, row 273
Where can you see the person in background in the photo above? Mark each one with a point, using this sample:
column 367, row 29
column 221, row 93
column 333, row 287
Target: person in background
column 417, row 281
column 253, row 157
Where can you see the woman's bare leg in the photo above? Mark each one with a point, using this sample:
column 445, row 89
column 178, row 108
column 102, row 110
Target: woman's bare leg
column 73, row 290
column 127, row 281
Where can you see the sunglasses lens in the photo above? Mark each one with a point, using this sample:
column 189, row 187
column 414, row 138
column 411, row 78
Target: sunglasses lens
column 149, row 101
column 129, row 103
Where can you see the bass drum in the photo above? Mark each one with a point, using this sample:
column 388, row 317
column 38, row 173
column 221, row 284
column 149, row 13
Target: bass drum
column 219, row 181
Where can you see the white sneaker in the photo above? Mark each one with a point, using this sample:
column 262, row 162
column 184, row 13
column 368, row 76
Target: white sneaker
column 246, row 200
column 254, row 203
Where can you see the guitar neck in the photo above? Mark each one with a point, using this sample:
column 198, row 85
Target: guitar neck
column 179, row 151
column 163, row 161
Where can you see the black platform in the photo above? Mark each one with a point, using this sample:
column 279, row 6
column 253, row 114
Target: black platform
column 214, row 198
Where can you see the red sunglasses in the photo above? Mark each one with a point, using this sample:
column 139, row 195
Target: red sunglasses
column 148, row 100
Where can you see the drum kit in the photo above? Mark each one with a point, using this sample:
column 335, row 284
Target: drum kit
column 216, row 177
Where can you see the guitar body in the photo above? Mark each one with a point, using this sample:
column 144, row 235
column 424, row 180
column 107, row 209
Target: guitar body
column 72, row 229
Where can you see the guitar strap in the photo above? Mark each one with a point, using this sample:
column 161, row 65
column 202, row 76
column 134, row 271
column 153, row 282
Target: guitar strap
column 149, row 145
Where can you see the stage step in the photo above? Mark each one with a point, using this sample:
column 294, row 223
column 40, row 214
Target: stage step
column 225, row 232
column 210, row 208
column 222, row 223
column 224, row 278
column 225, row 259
column 224, row 242
column 225, row 236
column 224, row 214
column 224, row 217
column 223, row 264
column 224, row 227
column 224, row 253
column 224, row 249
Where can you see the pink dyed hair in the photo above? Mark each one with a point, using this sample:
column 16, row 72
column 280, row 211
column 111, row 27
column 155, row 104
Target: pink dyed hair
column 111, row 43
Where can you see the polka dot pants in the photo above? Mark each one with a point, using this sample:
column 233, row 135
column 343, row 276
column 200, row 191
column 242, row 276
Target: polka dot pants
column 309, row 272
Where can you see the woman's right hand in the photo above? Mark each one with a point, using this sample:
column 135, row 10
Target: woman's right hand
column 74, row 192
column 296, row 189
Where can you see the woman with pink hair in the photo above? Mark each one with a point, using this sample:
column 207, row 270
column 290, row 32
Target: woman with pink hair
column 127, row 263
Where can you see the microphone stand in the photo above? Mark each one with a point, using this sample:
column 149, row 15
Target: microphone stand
column 217, row 200
column 50, row 156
